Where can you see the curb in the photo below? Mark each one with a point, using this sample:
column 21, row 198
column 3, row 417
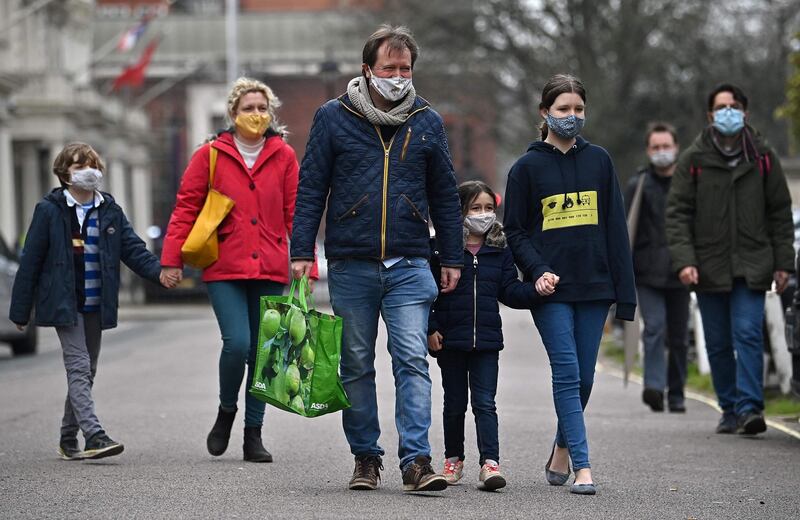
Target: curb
column 614, row 372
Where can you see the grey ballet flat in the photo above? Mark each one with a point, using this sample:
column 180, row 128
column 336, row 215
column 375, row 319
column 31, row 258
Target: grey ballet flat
column 583, row 489
column 553, row 477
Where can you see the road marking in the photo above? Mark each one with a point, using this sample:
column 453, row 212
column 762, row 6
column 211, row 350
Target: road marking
column 634, row 378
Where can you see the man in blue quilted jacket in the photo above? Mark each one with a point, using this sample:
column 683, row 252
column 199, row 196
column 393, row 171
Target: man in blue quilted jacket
column 378, row 155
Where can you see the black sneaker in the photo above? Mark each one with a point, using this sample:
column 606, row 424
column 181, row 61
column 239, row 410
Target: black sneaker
column 727, row 424
column 100, row 445
column 677, row 407
column 419, row 476
column 751, row 424
column 367, row 473
column 654, row 399
column 68, row 449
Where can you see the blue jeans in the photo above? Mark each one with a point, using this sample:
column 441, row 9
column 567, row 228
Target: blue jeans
column 237, row 306
column 361, row 290
column 470, row 375
column 571, row 333
column 665, row 313
column 732, row 322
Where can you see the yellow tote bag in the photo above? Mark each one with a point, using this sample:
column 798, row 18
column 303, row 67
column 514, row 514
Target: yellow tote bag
column 201, row 248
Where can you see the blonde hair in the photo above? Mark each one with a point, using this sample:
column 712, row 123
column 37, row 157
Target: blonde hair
column 244, row 86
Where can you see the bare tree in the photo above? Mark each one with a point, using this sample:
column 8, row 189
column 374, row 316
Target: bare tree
column 640, row 60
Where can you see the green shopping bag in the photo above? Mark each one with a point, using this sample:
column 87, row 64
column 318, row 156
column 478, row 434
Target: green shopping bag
column 297, row 362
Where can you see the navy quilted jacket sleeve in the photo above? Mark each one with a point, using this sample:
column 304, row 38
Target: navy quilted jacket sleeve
column 445, row 207
column 313, row 187
column 31, row 262
column 513, row 292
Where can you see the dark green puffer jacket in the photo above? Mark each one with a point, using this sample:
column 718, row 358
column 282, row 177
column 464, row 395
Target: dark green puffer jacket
column 730, row 221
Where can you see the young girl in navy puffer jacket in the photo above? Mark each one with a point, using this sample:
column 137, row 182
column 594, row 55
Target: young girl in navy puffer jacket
column 465, row 332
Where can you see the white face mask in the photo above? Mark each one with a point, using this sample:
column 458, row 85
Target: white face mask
column 89, row 179
column 391, row 89
column 663, row 158
column 481, row 223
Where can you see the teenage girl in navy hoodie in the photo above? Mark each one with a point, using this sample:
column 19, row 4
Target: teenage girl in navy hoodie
column 465, row 332
column 565, row 223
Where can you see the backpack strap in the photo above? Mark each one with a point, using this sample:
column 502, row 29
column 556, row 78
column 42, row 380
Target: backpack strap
column 764, row 165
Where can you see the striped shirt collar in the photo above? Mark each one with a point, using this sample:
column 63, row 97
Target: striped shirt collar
column 98, row 199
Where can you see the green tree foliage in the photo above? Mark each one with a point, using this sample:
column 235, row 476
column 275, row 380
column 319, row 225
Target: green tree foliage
column 641, row 60
column 791, row 110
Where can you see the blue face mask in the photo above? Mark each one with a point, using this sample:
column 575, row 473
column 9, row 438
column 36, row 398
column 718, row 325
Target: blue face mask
column 728, row 121
column 566, row 127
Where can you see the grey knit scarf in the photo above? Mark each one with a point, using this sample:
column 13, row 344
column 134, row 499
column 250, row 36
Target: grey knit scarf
column 358, row 92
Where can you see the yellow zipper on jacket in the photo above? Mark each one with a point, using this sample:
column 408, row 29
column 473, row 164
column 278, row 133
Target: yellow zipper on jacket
column 385, row 195
column 405, row 145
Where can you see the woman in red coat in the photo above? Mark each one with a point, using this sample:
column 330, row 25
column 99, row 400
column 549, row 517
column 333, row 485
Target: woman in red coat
column 258, row 170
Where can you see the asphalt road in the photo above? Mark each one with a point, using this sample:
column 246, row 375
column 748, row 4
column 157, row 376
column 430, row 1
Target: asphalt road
column 156, row 392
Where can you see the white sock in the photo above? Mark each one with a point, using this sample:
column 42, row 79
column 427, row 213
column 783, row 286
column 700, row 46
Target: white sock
column 490, row 461
column 453, row 460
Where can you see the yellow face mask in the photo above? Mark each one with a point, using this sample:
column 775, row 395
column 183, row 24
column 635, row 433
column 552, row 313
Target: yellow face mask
column 252, row 126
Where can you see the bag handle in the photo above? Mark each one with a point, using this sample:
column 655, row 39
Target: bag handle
column 633, row 212
column 300, row 287
column 212, row 165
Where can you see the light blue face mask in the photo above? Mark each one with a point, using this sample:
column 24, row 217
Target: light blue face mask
column 728, row 121
column 566, row 127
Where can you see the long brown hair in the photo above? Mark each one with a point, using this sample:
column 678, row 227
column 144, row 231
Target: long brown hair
column 555, row 86
column 468, row 191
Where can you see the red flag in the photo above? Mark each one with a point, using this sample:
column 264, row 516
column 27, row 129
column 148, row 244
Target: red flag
column 133, row 75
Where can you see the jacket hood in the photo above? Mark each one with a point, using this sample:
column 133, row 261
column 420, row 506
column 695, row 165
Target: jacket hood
column 541, row 146
column 495, row 237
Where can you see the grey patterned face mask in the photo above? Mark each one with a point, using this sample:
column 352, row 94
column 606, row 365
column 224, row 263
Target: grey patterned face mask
column 663, row 158
column 392, row 89
column 480, row 223
column 566, row 127
column 88, row 179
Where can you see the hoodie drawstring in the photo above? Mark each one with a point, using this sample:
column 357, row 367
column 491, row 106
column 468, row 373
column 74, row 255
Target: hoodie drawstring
column 568, row 201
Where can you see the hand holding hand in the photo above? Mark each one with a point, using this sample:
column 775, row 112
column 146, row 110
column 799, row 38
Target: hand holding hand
column 546, row 284
column 689, row 276
column 435, row 342
column 170, row 277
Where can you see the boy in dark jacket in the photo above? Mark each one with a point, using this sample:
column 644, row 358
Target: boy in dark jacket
column 69, row 271
column 465, row 332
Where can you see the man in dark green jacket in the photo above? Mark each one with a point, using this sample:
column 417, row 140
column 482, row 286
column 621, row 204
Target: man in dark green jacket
column 730, row 234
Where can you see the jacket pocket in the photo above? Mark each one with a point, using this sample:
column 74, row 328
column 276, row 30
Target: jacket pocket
column 353, row 211
column 414, row 210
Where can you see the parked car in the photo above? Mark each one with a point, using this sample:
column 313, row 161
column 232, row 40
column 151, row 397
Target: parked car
column 21, row 342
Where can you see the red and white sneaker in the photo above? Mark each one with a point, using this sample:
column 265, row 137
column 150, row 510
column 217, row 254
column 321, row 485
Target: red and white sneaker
column 453, row 470
column 490, row 476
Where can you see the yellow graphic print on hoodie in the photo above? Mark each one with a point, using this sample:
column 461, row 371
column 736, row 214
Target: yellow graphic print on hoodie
column 577, row 211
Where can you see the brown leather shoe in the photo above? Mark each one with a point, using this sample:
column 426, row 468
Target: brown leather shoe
column 419, row 476
column 367, row 473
